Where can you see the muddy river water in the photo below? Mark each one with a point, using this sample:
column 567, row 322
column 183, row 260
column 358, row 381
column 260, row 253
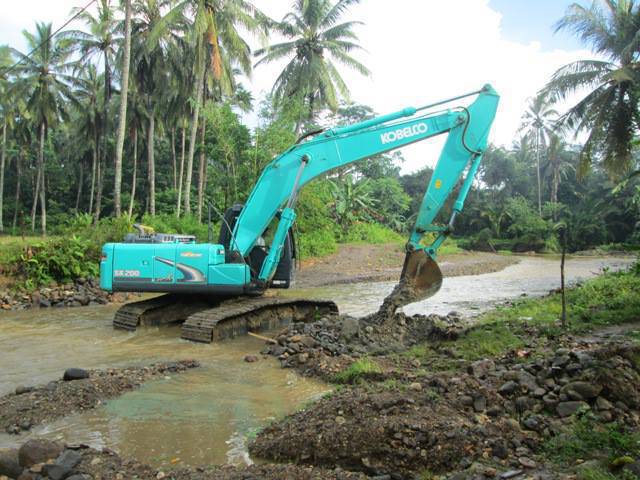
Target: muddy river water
column 204, row 416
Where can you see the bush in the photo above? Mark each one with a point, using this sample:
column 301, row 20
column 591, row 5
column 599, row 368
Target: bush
column 371, row 233
column 61, row 259
column 317, row 243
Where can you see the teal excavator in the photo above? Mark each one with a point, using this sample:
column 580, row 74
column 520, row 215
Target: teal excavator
column 217, row 290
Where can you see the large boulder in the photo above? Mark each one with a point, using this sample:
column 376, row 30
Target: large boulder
column 9, row 464
column 75, row 374
column 38, row 451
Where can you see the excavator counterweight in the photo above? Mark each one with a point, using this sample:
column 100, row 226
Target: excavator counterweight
column 218, row 289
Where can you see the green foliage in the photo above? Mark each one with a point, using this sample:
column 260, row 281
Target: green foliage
column 586, row 439
column 187, row 224
column 371, row 233
column 358, row 371
column 60, row 260
column 527, row 228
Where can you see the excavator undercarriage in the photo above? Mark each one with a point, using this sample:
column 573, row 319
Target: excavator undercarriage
column 206, row 320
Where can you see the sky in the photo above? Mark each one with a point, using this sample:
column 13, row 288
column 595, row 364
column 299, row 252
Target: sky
column 419, row 52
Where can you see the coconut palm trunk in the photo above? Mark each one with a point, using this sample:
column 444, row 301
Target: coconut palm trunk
column 135, row 172
column 538, row 171
column 43, row 199
column 152, row 164
column 18, row 180
column 94, row 167
column 173, row 156
column 79, row 192
column 99, row 185
column 2, row 165
column 122, row 121
column 36, row 192
column 181, row 176
column 202, row 171
column 192, row 140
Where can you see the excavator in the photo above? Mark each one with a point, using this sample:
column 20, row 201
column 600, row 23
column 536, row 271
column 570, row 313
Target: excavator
column 219, row 290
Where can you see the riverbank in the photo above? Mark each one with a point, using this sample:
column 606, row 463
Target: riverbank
column 515, row 396
column 354, row 263
column 78, row 391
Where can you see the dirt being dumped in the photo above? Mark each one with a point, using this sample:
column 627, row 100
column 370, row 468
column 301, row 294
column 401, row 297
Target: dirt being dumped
column 80, row 390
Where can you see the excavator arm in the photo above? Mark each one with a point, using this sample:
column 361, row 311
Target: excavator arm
column 278, row 187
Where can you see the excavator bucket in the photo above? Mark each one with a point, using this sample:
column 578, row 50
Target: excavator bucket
column 420, row 279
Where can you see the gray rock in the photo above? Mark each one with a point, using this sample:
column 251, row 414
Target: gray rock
column 481, row 368
column 466, row 400
column 251, row 358
column 585, row 390
column 38, row 451
column 539, row 392
column 350, row 328
column 9, row 464
column 527, row 380
column 603, row 404
column 21, row 389
column 565, row 409
column 511, row 474
column 534, row 422
column 480, row 403
column 508, row 388
column 80, row 476
column 75, row 374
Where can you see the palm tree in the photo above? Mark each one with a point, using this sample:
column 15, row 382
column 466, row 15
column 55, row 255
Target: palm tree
column 556, row 164
column 122, row 119
column 609, row 112
column 91, row 120
column 538, row 123
column 315, row 44
column 152, row 35
column 43, row 75
column 5, row 108
column 215, row 34
column 101, row 41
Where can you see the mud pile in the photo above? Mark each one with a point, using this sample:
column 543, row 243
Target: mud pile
column 324, row 347
column 82, row 390
column 45, row 460
column 487, row 419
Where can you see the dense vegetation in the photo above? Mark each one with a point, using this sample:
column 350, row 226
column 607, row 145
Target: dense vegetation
column 110, row 125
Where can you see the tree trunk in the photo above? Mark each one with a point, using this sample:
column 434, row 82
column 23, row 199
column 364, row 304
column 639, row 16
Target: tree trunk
column 80, row 182
column 199, row 88
column 2, row 161
column 94, row 167
column 43, row 185
column 99, row 185
column 202, row 171
column 555, row 183
column 563, row 317
column 173, row 157
column 123, row 108
column 36, row 192
column 538, row 171
column 18, row 179
column 181, row 177
column 152, row 165
column 135, row 171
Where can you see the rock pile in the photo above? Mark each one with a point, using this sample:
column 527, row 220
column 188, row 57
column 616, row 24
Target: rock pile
column 82, row 292
column 326, row 346
column 603, row 380
column 79, row 390
column 45, row 460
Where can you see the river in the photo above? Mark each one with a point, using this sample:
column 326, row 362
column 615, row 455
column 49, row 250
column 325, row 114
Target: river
column 204, row 416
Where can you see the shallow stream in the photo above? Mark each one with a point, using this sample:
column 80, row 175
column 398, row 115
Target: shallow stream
column 204, row 416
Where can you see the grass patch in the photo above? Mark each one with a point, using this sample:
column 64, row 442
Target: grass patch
column 358, row 371
column 611, row 299
column 586, row 439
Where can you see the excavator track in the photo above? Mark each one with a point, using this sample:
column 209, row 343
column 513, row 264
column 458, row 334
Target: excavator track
column 251, row 314
column 160, row 310
column 209, row 320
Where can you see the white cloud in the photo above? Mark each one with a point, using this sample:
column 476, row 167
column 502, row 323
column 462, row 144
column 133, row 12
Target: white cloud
column 419, row 51
column 425, row 51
